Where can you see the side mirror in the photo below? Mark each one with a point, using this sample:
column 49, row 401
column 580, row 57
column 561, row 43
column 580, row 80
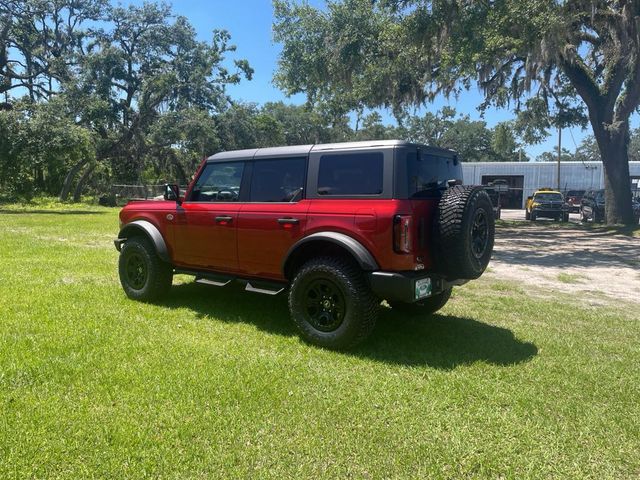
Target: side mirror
column 172, row 193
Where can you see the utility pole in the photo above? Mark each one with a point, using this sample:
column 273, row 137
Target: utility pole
column 559, row 153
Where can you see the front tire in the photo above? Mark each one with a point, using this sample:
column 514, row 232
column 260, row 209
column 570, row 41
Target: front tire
column 143, row 275
column 331, row 303
column 424, row 307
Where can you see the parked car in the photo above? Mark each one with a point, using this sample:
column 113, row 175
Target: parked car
column 592, row 206
column 572, row 199
column 338, row 227
column 593, row 203
column 546, row 203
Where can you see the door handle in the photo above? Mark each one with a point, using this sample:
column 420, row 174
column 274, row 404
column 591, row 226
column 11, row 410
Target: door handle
column 288, row 221
column 224, row 219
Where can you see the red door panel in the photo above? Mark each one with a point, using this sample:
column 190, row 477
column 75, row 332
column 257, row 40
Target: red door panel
column 206, row 235
column 266, row 231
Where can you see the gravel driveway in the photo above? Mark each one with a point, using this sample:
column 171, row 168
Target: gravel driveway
column 600, row 266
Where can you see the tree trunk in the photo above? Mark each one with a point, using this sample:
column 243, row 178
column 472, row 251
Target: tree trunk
column 77, row 193
column 73, row 171
column 617, row 182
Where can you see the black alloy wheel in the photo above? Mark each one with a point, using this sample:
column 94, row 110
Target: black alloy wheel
column 325, row 305
column 136, row 271
column 479, row 233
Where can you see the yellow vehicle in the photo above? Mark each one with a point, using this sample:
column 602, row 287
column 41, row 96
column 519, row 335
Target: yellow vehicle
column 547, row 203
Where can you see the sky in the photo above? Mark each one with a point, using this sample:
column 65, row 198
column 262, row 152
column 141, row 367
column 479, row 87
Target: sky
column 249, row 23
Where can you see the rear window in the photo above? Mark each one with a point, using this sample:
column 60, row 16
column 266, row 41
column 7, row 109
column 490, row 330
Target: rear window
column 427, row 172
column 351, row 174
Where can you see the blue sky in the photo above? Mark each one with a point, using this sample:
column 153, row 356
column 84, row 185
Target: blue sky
column 249, row 23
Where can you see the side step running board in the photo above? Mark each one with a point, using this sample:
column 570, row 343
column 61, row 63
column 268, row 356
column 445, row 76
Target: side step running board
column 220, row 280
column 217, row 283
column 266, row 289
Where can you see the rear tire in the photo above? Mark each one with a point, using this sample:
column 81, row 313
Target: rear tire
column 565, row 217
column 424, row 307
column 533, row 217
column 143, row 275
column 331, row 303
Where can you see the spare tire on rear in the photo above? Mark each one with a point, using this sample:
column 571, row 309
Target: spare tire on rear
column 464, row 232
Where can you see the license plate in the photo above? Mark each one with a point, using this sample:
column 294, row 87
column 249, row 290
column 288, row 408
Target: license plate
column 423, row 288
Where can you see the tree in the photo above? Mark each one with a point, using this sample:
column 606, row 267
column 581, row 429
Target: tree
column 40, row 41
column 400, row 53
column 503, row 142
column 147, row 63
column 470, row 138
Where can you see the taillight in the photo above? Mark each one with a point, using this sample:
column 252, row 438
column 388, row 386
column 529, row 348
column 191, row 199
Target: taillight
column 402, row 233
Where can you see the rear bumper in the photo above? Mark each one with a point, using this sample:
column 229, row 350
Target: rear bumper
column 408, row 287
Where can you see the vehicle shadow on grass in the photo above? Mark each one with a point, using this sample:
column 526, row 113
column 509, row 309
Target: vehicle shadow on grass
column 442, row 341
column 439, row 341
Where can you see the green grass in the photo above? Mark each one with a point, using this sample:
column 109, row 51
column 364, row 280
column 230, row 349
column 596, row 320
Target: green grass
column 214, row 383
column 570, row 278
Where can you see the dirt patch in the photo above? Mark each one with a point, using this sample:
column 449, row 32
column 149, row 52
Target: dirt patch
column 600, row 267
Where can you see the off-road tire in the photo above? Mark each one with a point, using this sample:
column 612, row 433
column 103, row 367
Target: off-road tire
column 143, row 275
column 463, row 251
column 533, row 217
column 361, row 306
column 424, row 307
column 565, row 217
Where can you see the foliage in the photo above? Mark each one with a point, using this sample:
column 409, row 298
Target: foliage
column 38, row 144
column 401, row 53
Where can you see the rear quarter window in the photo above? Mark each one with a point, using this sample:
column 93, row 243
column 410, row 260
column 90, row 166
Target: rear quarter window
column 351, row 174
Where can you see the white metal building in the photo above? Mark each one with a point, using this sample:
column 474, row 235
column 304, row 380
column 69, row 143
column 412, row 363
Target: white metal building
column 524, row 178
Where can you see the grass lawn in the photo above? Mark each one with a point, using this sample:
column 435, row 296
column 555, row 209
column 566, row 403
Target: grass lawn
column 215, row 383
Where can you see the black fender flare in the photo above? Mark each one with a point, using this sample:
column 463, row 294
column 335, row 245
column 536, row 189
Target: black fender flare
column 353, row 246
column 152, row 233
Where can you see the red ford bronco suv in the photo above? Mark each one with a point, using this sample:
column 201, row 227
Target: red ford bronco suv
column 340, row 227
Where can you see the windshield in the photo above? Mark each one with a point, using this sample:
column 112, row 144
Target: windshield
column 427, row 172
column 548, row 197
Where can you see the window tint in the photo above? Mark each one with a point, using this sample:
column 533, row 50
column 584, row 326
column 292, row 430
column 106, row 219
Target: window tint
column 219, row 182
column 429, row 172
column 351, row 174
column 277, row 180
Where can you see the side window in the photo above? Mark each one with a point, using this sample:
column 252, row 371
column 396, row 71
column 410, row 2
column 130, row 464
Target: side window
column 351, row 174
column 219, row 182
column 279, row 180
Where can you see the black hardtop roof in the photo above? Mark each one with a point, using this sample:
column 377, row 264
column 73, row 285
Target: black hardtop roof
column 304, row 150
